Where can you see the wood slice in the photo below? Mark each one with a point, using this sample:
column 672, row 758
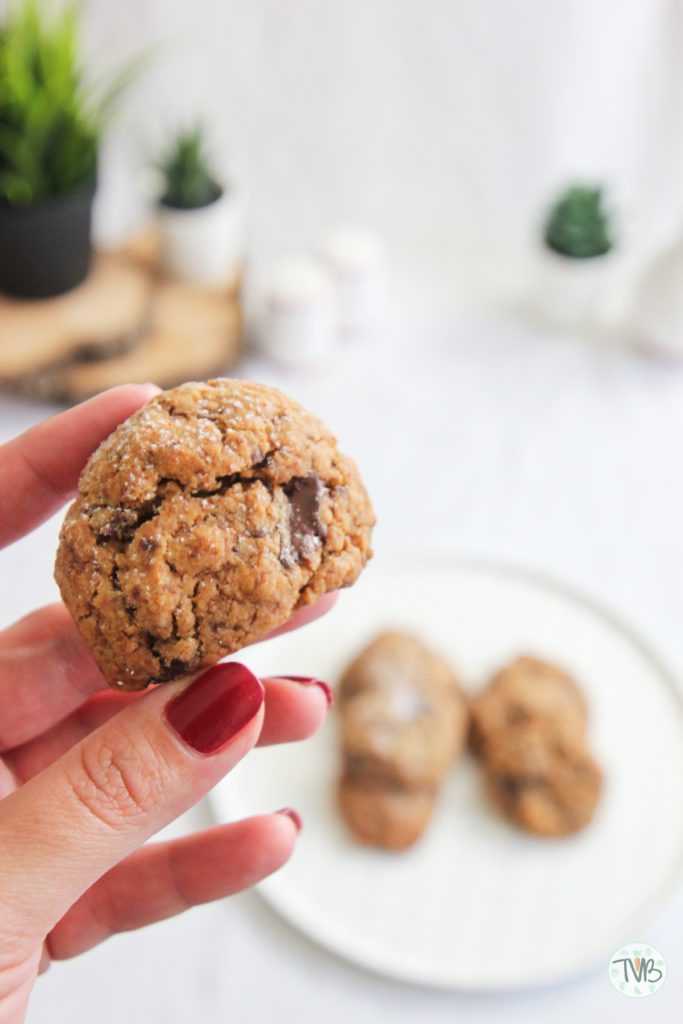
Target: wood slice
column 104, row 315
column 193, row 334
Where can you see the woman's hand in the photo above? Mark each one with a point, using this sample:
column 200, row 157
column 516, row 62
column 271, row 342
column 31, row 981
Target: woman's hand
column 87, row 774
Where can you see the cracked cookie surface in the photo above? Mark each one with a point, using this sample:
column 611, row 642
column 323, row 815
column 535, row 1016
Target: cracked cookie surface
column 202, row 523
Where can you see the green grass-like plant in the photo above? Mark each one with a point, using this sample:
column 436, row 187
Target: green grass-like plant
column 578, row 224
column 51, row 120
column 188, row 179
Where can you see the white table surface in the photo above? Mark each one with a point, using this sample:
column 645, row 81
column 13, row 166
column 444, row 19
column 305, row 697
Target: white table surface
column 480, row 437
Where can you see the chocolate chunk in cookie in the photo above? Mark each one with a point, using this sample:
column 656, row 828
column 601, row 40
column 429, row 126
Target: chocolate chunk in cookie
column 202, row 523
column 306, row 528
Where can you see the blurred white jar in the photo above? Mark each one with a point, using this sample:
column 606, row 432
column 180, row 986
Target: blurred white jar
column 297, row 322
column 356, row 259
column 204, row 245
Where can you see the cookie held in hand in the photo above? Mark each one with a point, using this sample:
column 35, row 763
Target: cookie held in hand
column 202, row 523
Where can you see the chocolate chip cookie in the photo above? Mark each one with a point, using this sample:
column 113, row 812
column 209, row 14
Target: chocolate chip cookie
column 529, row 728
column 527, row 690
column 403, row 722
column 201, row 524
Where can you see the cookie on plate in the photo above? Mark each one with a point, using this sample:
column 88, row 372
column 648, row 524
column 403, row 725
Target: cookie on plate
column 526, row 690
column 529, row 729
column 202, row 523
column 545, row 780
column 403, row 722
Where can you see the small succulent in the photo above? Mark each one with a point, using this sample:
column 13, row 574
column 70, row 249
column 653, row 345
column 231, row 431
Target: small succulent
column 578, row 224
column 189, row 182
column 51, row 119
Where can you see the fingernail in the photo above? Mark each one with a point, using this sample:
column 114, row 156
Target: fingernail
column 215, row 707
column 312, row 681
column 294, row 815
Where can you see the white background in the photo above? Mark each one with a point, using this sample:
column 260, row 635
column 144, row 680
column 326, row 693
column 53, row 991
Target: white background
column 446, row 125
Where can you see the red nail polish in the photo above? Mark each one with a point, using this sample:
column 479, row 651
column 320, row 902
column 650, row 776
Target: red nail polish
column 215, row 707
column 294, row 815
column 312, row 681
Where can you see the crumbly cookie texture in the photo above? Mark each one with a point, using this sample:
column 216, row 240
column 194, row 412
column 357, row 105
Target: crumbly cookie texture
column 403, row 722
column 529, row 728
column 202, row 523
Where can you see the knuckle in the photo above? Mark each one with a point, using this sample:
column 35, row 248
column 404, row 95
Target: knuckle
column 119, row 780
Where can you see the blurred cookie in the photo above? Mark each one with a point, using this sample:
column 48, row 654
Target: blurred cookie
column 201, row 524
column 529, row 728
column 543, row 778
column 382, row 816
column 403, row 721
column 526, row 691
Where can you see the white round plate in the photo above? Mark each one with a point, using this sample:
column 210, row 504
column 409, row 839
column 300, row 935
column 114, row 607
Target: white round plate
column 477, row 903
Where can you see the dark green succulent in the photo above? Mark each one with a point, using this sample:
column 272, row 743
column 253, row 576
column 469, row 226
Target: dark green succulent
column 188, row 180
column 50, row 119
column 578, row 224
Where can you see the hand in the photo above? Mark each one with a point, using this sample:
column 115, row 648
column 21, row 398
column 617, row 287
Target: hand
column 86, row 776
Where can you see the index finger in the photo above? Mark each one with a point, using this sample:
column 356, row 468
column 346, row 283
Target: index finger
column 39, row 470
column 47, row 671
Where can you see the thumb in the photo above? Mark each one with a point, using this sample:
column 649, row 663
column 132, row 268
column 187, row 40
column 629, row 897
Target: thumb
column 122, row 783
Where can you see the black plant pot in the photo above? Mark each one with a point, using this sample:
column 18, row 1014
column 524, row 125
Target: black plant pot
column 45, row 249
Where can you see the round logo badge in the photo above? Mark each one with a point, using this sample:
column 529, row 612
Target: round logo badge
column 637, row 970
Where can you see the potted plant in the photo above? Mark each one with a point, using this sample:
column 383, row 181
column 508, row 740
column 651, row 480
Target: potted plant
column 200, row 221
column 50, row 127
column 577, row 237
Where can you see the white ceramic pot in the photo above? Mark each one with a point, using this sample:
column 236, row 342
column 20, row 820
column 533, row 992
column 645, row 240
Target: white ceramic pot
column 355, row 257
column 297, row 323
column 204, row 245
column 568, row 290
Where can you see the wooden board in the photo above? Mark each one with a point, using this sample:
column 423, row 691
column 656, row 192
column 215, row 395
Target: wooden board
column 105, row 313
column 126, row 323
column 192, row 337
